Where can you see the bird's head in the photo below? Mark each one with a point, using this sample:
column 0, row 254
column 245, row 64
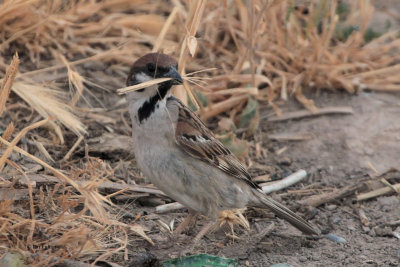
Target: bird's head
column 152, row 66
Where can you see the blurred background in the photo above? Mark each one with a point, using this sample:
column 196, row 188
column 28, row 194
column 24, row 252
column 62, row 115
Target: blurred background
column 285, row 84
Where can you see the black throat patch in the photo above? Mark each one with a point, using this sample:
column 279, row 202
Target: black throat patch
column 149, row 106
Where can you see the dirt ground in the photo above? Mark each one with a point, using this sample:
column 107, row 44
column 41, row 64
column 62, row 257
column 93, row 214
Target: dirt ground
column 340, row 153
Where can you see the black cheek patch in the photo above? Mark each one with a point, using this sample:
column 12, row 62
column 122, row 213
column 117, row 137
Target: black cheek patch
column 149, row 106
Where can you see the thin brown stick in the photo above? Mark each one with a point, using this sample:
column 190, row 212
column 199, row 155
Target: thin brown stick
column 17, row 138
column 8, row 81
column 93, row 196
column 338, row 194
column 104, row 187
column 73, row 148
column 377, row 192
column 8, row 132
column 164, row 30
column 222, row 106
column 306, row 113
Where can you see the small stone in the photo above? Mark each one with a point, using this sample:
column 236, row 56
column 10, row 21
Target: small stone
column 336, row 238
column 396, row 234
column 316, row 257
column 302, row 258
column 351, row 227
column 385, row 231
column 366, row 229
column 286, row 161
column 372, row 233
column 331, row 207
column 335, row 220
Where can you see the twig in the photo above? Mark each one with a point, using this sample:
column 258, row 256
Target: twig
column 318, row 200
column 192, row 24
column 222, row 106
column 134, row 188
column 165, row 29
column 285, row 182
column 56, row 172
column 17, row 138
column 385, row 182
column 290, row 136
column 139, row 86
column 306, row 113
column 377, row 192
column 264, row 232
column 383, row 87
column 90, row 196
column 73, row 148
column 363, row 218
column 169, row 207
column 73, row 63
column 105, row 186
column 8, row 81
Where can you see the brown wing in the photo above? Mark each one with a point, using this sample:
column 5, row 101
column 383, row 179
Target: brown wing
column 199, row 142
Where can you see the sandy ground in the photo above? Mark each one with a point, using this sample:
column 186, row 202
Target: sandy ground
column 340, row 152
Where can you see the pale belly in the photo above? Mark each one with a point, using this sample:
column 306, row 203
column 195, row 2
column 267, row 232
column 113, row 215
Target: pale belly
column 195, row 184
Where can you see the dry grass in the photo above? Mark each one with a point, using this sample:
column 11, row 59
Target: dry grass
column 267, row 50
column 269, row 40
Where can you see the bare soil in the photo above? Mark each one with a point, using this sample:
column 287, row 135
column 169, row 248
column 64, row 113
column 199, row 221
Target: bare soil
column 343, row 150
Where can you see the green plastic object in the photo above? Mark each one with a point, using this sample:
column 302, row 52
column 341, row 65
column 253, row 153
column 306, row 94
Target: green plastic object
column 201, row 260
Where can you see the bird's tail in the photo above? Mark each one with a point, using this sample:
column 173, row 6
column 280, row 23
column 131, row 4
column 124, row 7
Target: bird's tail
column 284, row 213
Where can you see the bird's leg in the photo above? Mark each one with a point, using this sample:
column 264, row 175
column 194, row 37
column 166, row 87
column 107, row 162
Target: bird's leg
column 192, row 215
column 204, row 231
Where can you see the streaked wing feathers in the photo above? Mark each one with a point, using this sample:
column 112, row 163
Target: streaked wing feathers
column 199, row 142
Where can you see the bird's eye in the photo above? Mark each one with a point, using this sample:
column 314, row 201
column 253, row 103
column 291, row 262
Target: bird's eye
column 151, row 67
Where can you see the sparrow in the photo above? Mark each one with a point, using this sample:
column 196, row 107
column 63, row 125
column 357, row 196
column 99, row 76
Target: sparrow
column 182, row 157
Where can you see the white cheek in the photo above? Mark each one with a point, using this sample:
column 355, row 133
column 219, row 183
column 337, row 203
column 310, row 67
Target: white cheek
column 142, row 77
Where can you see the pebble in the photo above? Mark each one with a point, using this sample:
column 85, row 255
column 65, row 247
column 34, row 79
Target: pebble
column 336, row 238
column 286, row 161
column 351, row 227
column 302, row 258
column 372, row 233
column 385, row 231
column 331, row 207
column 396, row 234
column 335, row 220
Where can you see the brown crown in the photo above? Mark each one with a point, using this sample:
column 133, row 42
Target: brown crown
column 158, row 59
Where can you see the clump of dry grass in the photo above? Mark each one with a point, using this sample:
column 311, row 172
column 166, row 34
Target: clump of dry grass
column 288, row 52
column 67, row 221
column 267, row 43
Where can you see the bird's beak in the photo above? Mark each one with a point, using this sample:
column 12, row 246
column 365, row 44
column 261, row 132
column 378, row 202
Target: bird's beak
column 174, row 74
